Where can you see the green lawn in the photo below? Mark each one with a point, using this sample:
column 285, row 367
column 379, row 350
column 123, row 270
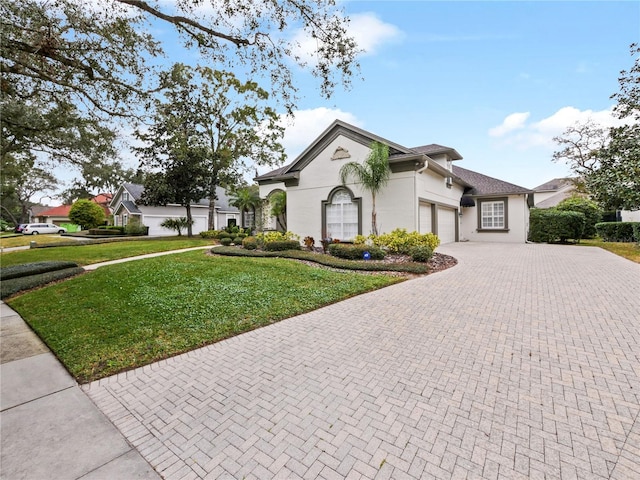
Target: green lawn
column 127, row 315
column 100, row 252
column 630, row 251
column 19, row 240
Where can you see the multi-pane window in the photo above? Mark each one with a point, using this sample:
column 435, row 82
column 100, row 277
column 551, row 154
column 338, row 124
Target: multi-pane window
column 493, row 214
column 342, row 216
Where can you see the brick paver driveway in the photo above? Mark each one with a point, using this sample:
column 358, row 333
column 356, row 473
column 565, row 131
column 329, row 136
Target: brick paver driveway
column 521, row 362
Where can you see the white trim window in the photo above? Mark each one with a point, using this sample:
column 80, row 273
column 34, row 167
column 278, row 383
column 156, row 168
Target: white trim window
column 493, row 215
column 342, row 216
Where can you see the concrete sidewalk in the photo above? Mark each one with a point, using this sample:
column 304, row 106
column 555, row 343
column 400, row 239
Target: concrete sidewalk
column 50, row 428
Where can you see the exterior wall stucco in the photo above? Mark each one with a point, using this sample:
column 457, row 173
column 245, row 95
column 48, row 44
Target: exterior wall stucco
column 518, row 223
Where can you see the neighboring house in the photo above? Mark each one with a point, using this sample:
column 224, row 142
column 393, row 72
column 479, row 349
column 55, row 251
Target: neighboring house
column 60, row 214
column 35, row 211
column 126, row 206
column 425, row 193
column 551, row 193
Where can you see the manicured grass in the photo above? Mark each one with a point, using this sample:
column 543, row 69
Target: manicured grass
column 124, row 316
column 630, row 251
column 101, row 252
column 23, row 240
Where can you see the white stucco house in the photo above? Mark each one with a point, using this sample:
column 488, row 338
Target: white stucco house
column 426, row 193
column 126, row 206
column 551, row 193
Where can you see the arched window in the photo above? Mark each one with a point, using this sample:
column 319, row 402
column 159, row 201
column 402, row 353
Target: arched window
column 341, row 215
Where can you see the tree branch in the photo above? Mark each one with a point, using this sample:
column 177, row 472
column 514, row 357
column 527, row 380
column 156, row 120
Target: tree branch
column 180, row 21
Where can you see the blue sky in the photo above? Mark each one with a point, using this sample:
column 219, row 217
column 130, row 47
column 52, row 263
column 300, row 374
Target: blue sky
column 494, row 80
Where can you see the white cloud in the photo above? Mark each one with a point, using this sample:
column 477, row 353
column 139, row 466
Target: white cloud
column 516, row 132
column 515, row 121
column 307, row 125
column 369, row 32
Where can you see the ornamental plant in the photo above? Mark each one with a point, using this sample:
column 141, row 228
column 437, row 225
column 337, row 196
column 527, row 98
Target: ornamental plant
column 400, row 241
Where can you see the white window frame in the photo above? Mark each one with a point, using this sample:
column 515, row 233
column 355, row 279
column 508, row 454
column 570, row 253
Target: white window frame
column 336, row 208
column 492, row 214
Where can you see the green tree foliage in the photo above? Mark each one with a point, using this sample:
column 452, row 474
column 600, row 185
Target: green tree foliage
column 225, row 120
column 87, row 214
column 616, row 183
column 68, row 66
column 372, row 175
column 22, row 179
column 278, row 202
column 246, row 199
column 592, row 212
column 609, row 162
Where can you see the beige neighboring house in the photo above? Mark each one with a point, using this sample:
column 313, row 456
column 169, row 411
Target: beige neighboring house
column 551, row 193
column 126, row 206
column 426, row 193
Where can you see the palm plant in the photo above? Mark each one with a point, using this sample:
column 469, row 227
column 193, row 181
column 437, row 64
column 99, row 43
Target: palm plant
column 246, row 199
column 278, row 202
column 373, row 175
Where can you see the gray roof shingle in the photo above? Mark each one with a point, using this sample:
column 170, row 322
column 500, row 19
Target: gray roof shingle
column 553, row 185
column 485, row 185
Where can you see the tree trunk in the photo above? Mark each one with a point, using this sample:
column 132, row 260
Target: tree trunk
column 189, row 221
column 212, row 213
column 374, row 223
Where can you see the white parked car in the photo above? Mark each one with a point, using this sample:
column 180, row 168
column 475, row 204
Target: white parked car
column 37, row 228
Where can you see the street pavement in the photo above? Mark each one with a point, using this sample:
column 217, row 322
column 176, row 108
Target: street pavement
column 523, row 361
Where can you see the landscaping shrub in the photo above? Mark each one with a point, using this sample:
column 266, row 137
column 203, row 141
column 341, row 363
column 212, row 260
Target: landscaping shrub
column 328, row 260
column 592, row 212
column 237, row 240
column 268, row 237
column 15, row 285
column 135, row 227
column 281, row 245
column 355, row 252
column 421, row 253
column 106, row 231
column 26, row 269
column 401, row 241
column 177, row 224
column 250, row 243
column 618, row 231
column 551, row 225
column 209, row 234
column 226, row 241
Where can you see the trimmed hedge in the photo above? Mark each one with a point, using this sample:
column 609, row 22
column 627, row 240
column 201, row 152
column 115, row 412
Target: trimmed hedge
column 282, row 245
column 619, row 231
column 250, row 243
column 326, row 260
column 355, row 252
column 16, row 285
column 36, row 268
column 555, row 226
column 106, row 231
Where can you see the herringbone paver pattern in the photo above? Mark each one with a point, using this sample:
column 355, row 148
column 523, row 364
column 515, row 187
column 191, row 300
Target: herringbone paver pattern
column 521, row 362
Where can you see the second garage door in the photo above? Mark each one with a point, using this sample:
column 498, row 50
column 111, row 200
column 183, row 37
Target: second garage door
column 446, row 225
